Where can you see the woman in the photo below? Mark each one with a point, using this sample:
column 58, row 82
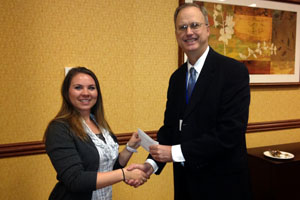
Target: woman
column 81, row 145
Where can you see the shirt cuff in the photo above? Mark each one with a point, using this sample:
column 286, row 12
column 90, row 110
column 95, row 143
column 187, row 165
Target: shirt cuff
column 153, row 164
column 177, row 155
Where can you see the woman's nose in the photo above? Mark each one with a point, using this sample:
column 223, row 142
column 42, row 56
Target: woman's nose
column 85, row 91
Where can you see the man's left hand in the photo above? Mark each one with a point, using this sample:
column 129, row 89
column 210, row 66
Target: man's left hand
column 161, row 153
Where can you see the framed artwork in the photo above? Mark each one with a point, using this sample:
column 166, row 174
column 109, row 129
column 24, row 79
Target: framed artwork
column 264, row 35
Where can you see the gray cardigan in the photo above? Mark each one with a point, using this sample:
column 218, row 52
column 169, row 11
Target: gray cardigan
column 75, row 161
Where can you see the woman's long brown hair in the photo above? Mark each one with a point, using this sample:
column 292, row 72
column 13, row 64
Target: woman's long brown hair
column 70, row 115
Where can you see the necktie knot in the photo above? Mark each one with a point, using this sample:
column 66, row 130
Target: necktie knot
column 191, row 83
column 193, row 72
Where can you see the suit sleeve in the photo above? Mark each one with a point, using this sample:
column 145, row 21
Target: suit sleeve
column 61, row 149
column 165, row 135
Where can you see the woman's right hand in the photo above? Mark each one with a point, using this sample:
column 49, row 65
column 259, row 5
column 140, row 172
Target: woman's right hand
column 136, row 174
column 134, row 141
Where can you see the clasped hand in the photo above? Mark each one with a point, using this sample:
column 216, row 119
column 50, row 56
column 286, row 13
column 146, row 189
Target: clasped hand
column 136, row 175
column 161, row 153
column 146, row 168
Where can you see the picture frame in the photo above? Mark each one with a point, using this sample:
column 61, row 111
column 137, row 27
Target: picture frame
column 259, row 37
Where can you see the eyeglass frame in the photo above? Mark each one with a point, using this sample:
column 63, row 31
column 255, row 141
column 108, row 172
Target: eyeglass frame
column 193, row 26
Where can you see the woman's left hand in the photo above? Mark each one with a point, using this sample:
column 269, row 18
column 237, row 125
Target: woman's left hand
column 134, row 141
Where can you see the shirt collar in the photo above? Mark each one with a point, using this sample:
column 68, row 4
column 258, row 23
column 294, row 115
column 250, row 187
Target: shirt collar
column 199, row 63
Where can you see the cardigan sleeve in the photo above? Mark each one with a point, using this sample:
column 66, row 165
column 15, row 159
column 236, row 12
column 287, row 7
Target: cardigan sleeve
column 63, row 153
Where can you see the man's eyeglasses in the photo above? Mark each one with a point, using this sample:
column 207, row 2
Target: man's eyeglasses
column 193, row 26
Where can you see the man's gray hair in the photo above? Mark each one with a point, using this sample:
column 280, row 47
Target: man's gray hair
column 185, row 5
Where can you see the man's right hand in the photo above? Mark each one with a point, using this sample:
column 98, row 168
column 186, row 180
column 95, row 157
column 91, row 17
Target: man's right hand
column 146, row 167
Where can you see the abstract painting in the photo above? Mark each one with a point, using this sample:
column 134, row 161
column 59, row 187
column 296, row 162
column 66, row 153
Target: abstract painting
column 263, row 37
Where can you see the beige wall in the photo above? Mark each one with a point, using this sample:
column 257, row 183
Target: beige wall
column 131, row 50
column 273, row 104
column 131, row 47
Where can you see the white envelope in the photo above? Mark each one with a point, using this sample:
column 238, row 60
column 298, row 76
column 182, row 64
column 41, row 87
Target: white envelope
column 146, row 140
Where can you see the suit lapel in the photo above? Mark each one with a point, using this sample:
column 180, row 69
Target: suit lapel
column 181, row 93
column 202, row 84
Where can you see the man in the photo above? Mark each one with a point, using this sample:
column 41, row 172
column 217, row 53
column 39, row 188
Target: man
column 204, row 134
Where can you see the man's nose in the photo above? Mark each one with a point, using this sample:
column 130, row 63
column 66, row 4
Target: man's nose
column 189, row 31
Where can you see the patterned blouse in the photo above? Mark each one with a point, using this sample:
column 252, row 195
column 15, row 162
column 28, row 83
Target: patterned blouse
column 108, row 153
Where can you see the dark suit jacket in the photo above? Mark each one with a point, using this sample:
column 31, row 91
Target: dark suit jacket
column 75, row 161
column 213, row 130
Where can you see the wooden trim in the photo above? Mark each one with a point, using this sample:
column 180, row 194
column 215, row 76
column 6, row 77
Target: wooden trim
column 21, row 149
column 273, row 125
column 38, row 147
column 180, row 57
column 180, row 51
column 286, row 1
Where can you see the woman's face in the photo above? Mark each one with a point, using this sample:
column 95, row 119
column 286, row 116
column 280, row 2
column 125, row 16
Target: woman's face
column 83, row 93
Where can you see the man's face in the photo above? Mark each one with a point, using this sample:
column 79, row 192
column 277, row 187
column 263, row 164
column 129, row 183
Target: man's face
column 191, row 31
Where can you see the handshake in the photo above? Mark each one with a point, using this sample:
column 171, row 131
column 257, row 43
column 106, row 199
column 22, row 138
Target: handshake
column 137, row 174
